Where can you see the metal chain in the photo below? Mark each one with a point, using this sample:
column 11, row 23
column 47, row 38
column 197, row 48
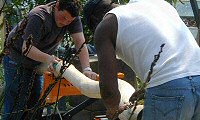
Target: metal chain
column 51, row 86
column 139, row 94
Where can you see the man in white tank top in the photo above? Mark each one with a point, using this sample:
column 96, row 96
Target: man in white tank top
column 135, row 33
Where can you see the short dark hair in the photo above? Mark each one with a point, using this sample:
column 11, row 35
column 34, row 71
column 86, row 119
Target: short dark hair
column 72, row 6
column 94, row 10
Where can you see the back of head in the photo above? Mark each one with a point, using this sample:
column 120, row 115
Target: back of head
column 72, row 6
column 94, row 10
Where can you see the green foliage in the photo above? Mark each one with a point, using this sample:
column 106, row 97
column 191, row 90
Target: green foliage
column 15, row 10
column 1, row 67
column 173, row 2
column 140, row 84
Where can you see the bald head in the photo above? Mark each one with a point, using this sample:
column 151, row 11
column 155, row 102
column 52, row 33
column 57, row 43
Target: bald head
column 94, row 10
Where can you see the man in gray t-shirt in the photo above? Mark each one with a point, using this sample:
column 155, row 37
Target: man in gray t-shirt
column 47, row 25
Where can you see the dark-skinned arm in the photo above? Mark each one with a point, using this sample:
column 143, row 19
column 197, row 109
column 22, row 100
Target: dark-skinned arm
column 105, row 40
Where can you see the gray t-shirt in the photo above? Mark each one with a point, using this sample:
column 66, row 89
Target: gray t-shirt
column 46, row 35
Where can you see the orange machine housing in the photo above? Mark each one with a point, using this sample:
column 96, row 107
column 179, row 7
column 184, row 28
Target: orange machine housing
column 66, row 88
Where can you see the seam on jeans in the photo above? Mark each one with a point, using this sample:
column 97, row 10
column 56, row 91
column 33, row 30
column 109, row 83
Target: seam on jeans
column 177, row 98
column 169, row 88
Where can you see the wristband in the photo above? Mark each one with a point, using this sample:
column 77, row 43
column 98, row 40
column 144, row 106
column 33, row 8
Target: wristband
column 87, row 69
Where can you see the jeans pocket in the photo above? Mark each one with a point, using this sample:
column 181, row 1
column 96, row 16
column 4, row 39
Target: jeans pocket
column 167, row 107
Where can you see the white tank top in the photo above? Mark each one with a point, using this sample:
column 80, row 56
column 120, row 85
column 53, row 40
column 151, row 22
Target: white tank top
column 143, row 26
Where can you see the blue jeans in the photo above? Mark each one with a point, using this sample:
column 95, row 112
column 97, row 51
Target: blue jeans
column 175, row 100
column 18, row 83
